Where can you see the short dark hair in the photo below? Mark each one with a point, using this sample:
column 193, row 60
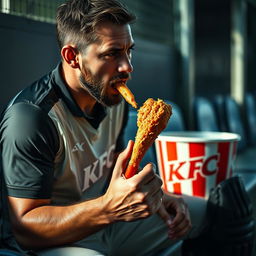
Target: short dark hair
column 76, row 20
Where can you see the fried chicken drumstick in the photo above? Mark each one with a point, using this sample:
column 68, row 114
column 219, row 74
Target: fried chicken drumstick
column 127, row 94
column 152, row 118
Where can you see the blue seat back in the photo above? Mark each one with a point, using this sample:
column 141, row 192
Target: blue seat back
column 250, row 118
column 205, row 115
column 176, row 122
column 230, row 118
column 218, row 104
column 234, row 119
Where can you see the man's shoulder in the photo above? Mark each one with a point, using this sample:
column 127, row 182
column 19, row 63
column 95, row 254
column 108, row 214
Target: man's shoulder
column 42, row 93
column 26, row 120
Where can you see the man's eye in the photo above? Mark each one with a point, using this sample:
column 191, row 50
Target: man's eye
column 110, row 54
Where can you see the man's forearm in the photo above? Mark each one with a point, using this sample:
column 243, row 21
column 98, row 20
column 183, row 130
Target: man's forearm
column 48, row 226
column 125, row 200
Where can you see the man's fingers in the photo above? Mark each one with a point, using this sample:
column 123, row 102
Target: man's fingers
column 165, row 215
column 123, row 159
column 179, row 231
column 181, row 224
column 177, row 221
column 146, row 174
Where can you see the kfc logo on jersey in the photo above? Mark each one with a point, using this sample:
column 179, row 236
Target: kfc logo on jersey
column 94, row 172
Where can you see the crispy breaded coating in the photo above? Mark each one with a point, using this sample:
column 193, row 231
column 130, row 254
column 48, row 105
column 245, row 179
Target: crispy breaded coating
column 152, row 118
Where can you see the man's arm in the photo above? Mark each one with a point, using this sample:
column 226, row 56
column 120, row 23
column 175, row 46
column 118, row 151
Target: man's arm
column 37, row 224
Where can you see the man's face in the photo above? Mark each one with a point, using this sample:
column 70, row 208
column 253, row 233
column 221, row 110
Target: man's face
column 108, row 62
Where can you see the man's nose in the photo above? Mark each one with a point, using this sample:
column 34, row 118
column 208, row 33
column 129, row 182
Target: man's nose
column 125, row 65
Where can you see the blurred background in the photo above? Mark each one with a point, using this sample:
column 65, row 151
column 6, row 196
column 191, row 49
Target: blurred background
column 184, row 48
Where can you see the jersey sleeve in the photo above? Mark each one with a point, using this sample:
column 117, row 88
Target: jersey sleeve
column 29, row 143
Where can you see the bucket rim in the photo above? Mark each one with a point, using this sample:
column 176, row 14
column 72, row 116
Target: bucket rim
column 198, row 136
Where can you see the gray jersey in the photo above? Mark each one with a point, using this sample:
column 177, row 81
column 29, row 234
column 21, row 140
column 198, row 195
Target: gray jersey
column 50, row 149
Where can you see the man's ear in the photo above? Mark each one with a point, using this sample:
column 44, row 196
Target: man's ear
column 70, row 56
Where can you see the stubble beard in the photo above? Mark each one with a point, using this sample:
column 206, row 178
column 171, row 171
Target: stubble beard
column 97, row 89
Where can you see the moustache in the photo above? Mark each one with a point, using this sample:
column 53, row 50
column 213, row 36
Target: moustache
column 120, row 77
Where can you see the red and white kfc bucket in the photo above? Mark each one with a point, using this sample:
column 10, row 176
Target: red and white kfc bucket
column 192, row 163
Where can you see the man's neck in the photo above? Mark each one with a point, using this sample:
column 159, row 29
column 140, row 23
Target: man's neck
column 83, row 99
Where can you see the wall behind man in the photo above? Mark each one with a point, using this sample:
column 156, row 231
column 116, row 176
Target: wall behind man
column 212, row 47
column 153, row 71
column 29, row 50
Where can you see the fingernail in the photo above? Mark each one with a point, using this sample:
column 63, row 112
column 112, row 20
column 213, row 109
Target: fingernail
column 169, row 222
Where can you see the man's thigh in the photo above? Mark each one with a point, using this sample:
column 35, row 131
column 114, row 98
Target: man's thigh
column 143, row 237
column 149, row 236
column 69, row 251
column 138, row 238
column 197, row 208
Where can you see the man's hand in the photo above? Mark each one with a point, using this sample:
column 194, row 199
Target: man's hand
column 134, row 198
column 175, row 213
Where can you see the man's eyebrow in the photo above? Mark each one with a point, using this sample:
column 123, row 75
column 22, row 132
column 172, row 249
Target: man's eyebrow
column 114, row 49
column 118, row 48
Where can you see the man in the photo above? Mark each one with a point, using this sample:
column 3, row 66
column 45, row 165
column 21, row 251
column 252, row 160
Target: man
column 60, row 142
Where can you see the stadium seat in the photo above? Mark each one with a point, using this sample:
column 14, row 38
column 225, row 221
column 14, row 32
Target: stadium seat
column 205, row 115
column 235, row 122
column 176, row 122
column 218, row 104
column 230, row 119
column 250, row 118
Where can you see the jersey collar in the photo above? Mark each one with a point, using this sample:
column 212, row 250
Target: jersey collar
column 100, row 110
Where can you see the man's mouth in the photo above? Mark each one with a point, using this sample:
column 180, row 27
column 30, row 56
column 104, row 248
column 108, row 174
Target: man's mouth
column 114, row 84
column 118, row 81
